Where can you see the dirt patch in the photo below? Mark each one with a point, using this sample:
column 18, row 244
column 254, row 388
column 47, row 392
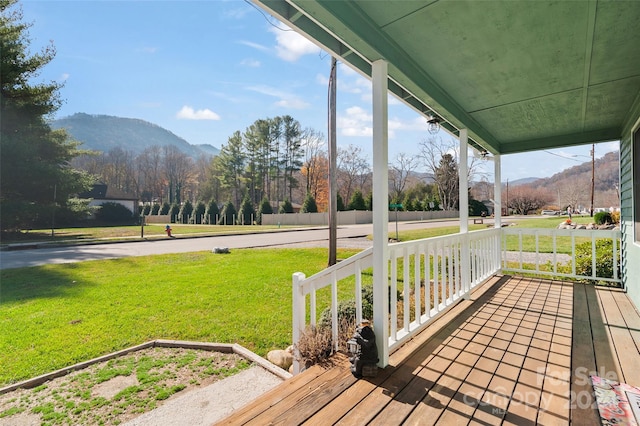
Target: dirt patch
column 115, row 391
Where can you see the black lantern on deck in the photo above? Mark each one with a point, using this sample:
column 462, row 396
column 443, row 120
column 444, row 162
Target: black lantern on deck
column 364, row 353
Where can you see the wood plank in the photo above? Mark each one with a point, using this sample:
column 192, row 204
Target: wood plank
column 630, row 314
column 624, row 345
column 311, row 378
column 606, row 362
column 582, row 357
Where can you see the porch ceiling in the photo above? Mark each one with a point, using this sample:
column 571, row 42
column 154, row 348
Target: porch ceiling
column 520, row 75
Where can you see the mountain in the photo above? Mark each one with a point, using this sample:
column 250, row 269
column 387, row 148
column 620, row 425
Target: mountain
column 105, row 132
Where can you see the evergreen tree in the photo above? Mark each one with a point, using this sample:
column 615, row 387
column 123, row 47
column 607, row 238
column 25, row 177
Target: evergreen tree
column 339, row 203
column 166, row 207
column 368, row 203
column 211, row 212
column 174, row 211
column 247, row 212
column 185, row 212
column 309, row 205
column 198, row 212
column 155, row 209
column 228, row 214
column 35, row 175
column 286, row 207
column 264, row 208
column 357, row 202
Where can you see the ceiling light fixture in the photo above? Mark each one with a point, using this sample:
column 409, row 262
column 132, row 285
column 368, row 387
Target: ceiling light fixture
column 433, row 124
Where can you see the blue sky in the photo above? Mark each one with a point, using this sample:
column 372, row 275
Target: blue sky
column 205, row 69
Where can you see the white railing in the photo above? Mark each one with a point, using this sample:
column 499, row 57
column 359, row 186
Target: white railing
column 517, row 260
column 452, row 265
column 445, row 270
column 440, row 270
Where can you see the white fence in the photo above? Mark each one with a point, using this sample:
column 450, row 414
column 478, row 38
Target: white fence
column 352, row 217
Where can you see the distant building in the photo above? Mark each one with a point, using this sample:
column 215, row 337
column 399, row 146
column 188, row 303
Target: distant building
column 101, row 193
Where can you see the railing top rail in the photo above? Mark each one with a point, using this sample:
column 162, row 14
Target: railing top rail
column 457, row 236
column 347, row 263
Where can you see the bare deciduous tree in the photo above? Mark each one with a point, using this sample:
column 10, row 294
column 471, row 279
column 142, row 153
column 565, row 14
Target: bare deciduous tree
column 353, row 171
column 400, row 171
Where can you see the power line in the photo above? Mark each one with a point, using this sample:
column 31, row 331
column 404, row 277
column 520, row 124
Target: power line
column 266, row 17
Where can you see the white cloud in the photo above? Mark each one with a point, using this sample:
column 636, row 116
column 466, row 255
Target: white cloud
column 251, row 63
column 188, row 113
column 65, row 76
column 256, row 46
column 285, row 99
column 355, row 122
column 291, row 45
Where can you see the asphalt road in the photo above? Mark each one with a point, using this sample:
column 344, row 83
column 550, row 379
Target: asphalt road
column 348, row 236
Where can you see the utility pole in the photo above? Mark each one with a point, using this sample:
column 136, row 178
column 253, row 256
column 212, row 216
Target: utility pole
column 333, row 198
column 593, row 174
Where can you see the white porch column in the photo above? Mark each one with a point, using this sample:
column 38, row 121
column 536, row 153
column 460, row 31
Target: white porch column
column 380, row 210
column 497, row 192
column 463, row 170
column 463, row 198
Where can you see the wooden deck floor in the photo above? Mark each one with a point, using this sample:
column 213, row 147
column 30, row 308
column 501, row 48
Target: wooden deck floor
column 520, row 352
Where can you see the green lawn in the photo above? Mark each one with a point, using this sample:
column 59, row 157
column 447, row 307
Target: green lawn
column 54, row 316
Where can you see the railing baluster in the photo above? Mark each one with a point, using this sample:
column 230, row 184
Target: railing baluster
column 417, row 290
column 405, row 288
column 393, row 302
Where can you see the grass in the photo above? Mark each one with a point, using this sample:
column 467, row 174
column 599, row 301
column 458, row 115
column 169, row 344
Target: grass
column 57, row 315
column 128, row 232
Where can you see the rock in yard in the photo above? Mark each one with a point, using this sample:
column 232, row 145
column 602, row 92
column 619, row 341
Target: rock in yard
column 220, row 250
column 282, row 359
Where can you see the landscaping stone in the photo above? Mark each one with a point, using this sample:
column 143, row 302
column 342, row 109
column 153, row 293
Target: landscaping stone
column 281, row 358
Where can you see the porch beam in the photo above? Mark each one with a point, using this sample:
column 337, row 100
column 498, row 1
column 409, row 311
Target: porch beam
column 380, row 210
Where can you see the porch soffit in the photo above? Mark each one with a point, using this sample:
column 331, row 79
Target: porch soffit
column 520, row 76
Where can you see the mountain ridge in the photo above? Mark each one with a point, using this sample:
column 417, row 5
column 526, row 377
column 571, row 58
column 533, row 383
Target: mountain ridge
column 100, row 132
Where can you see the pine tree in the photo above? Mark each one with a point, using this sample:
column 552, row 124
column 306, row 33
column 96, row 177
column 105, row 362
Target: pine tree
column 309, row 205
column 212, row 212
column 247, row 212
column 357, row 202
column 286, row 207
column 35, row 174
column 228, row 214
column 264, row 208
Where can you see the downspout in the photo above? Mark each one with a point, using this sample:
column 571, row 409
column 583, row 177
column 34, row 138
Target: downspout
column 380, row 210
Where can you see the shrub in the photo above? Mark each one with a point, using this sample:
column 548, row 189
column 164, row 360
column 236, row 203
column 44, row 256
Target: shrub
column 615, row 217
column 114, row 214
column 347, row 309
column 602, row 218
column 173, row 212
column 604, row 259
